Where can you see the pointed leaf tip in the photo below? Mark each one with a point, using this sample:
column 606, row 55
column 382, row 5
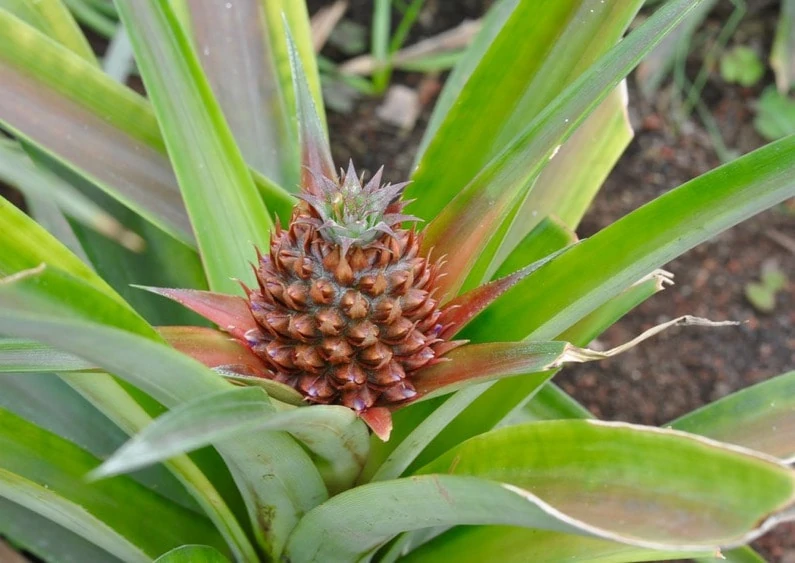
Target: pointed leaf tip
column 379, row 419
column 316, row 158
column 215, row 349
column 457, row 313
column 230, row 312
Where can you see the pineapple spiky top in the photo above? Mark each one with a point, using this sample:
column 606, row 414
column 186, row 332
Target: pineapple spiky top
column 352, row 213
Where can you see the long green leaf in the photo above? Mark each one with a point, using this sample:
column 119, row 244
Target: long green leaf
column 193, row 554
column 49, row 402
column 563, row 291
column 46, row 474
column 45, row 539
column 52, row 18
column 782, row 56
column 568, row 184
column 492, row 23
column 333, row 434
column 293, row 484
column 226, row 212
column 294, row 14
column 17, row 170
column 235, row 51
column 467, row 224
column 640, row 486
column 517, row 545
column 68, row 107
column 761, row 417
column 27, row 245
column 567, row 37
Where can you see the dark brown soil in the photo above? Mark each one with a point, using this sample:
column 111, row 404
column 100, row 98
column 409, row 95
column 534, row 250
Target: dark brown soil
column 682, row 369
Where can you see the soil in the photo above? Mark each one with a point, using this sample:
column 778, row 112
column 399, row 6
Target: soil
column 681, row 369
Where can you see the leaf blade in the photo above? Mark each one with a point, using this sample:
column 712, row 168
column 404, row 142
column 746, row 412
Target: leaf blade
column 468, row 486
column 226, row 212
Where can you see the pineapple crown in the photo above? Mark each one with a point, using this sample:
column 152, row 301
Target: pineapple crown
column 353, row 213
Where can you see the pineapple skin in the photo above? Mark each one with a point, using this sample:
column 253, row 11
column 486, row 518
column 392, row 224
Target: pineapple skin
column 347, row 319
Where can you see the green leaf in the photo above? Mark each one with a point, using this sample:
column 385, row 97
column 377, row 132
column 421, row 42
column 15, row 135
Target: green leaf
column 192, row 554
column 568, row 184
column 741, row 65
column 517, row 545
column 45, row 539
column 17, row 170
column 226, row 212
column 466, row 225
column 490, row 27
column 562, row 292
column 761, row 417
column 782, row 56
column 637, row 485
column 234, row 48
column 293, row 484
column 545, row 238
column 20, row 356
column 88, row 13
column 27, row 245
column 295, row 16
column 657, row 64
column 775, row 115
column 52, row 18
column 33, row 397
column 45, row 474
column 334, row 434
column 568, row 36
column 100, row 129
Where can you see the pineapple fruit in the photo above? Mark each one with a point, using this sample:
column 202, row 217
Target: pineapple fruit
column 346, row 306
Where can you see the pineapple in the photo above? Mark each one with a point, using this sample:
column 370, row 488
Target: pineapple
column 346, row 305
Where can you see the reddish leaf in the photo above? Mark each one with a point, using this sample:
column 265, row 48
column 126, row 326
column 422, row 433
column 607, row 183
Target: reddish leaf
column 379, row 419
column 214, row 349
column 476, row 363
column 458, row 312
column 229, row 312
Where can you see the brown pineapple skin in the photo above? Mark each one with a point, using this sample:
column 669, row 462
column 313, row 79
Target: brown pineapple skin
column 350, row 329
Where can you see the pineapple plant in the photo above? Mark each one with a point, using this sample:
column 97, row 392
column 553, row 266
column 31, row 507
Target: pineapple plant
column 353, row 369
